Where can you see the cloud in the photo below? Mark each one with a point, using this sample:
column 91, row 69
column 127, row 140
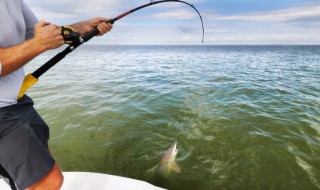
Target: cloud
column 295, row 25
column 177, row 14
column 150, row 35
column 84, row 9
column 94, row 7
column 285, row 15
column 48, row 15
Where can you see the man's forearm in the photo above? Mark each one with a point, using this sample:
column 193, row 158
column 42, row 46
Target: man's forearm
column 15, row 57
column 79, row 28
column 86, row 26
column 47, row 36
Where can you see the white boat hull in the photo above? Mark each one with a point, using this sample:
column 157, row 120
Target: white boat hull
column 97, row 181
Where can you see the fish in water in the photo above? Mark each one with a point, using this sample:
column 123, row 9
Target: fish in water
column 167, row 163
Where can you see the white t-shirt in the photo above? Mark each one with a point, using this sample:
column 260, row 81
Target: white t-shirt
column 16, row 25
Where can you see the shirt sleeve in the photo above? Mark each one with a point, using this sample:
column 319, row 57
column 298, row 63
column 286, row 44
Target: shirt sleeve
column 30, row 20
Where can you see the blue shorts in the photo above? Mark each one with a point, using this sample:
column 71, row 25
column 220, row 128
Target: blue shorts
column 24, row 144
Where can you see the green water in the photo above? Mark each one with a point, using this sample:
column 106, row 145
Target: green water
column 244, row 117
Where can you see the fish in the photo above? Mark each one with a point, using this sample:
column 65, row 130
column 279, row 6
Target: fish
column 167, row 162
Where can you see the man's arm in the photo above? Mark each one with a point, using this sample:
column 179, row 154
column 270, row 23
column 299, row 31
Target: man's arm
column 46, row 37
column 86, row 26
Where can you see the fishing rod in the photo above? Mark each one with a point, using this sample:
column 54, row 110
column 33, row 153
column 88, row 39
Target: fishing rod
column 74, row 40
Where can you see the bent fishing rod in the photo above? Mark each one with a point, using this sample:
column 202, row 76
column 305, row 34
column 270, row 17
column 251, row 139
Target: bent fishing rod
column 74, row 40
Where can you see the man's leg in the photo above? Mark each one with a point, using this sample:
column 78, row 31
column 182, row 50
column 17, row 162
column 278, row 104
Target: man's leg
column 24, row 151
column 52, row 181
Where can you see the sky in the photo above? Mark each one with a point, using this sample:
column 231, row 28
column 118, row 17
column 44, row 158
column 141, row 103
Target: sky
column 227, row 22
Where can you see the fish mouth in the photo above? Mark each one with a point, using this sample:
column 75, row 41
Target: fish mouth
column 173, row 147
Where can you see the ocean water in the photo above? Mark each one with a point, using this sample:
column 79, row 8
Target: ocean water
column 244, row 117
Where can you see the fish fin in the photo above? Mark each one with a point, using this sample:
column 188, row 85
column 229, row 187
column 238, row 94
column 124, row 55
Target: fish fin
column 175, row 167
column 165, row 171
column 153, row 169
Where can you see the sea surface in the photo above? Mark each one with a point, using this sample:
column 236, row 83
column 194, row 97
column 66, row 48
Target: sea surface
column 244, row 117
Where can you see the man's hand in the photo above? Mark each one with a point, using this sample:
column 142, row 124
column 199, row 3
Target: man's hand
column 86, row 26
column 48, row 36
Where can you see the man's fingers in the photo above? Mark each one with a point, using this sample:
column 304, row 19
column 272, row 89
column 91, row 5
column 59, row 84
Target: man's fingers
column 104, row 28
column 53, row 26
column 101, row 29
column 110, row 26
column 42, row 24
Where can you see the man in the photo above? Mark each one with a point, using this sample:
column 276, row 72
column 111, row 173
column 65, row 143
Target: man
column 24, row 154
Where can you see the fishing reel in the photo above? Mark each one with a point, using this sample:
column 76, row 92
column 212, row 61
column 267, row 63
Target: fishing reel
column 69, row 34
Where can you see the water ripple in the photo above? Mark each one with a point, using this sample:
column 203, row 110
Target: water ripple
column 244, row 117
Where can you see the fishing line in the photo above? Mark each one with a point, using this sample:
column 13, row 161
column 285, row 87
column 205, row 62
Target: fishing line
column 73, row 38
